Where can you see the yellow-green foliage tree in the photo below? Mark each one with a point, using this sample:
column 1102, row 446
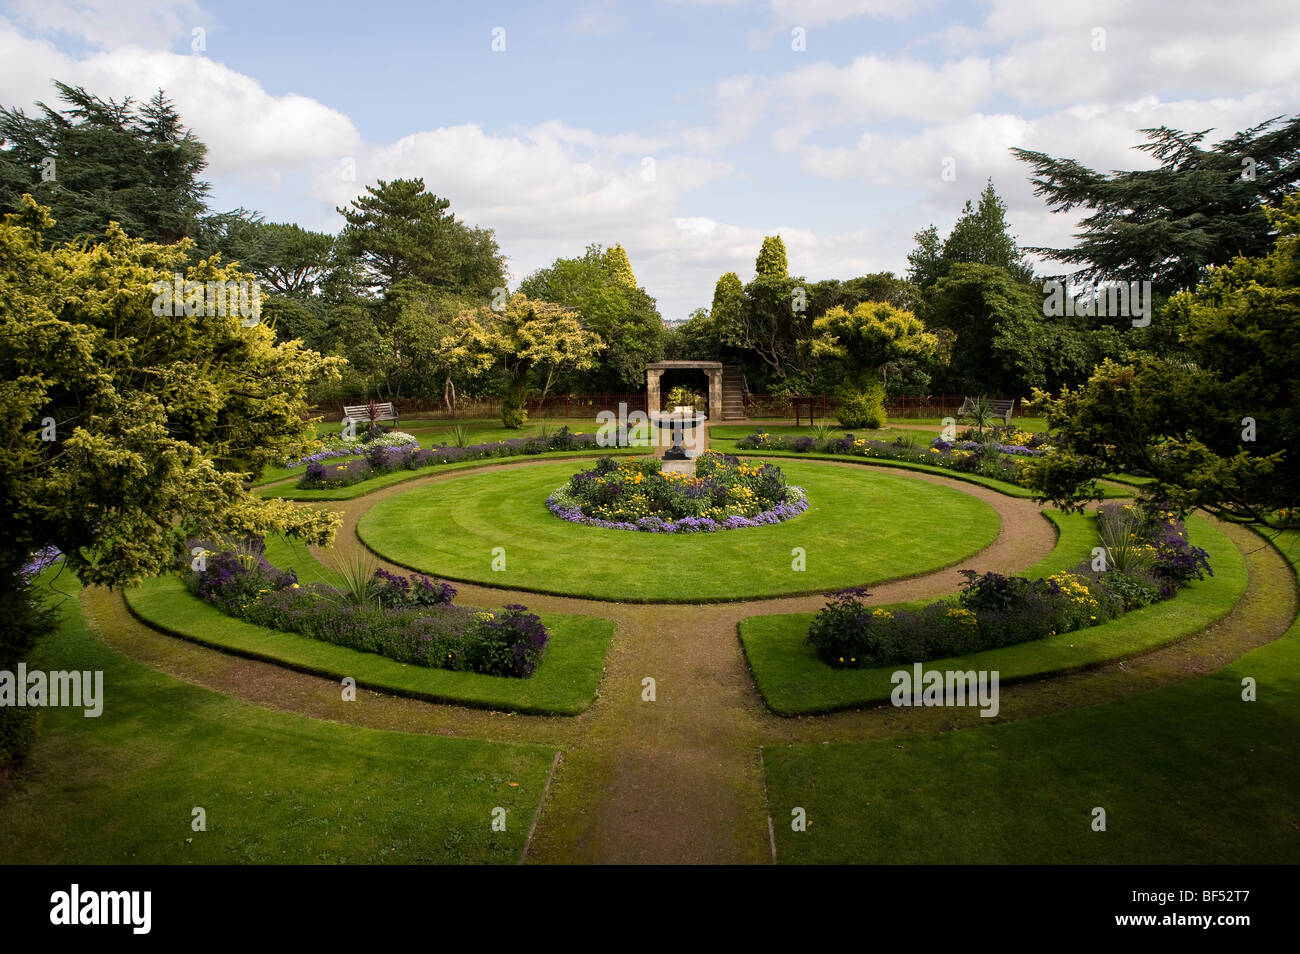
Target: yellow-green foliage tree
column 616, row 262
column 529, row 335
column 865, row 341
column 440, row 337
column 771, row 258
column 130, row 421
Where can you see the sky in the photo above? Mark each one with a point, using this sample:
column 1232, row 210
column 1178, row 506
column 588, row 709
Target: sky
column 685, row 130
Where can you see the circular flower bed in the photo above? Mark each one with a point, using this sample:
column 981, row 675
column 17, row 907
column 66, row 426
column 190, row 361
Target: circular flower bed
column 634, row 494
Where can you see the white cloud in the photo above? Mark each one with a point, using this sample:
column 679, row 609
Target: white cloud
column 105, row 24
column 248, row 131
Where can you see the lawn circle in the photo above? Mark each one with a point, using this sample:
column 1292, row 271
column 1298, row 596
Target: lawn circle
column 862, row 526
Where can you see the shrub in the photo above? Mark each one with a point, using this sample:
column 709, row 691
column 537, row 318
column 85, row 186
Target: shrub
column 864, row 408
column 513, row 413
column 992, row 591
column 1134, row 590
column 17, row 733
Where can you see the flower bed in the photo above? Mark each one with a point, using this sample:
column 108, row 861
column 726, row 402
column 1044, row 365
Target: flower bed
column 409, row 619
column 989, row 458
column 634, row 494
column 349, row 448
column 383, row 459
column 1146, row 559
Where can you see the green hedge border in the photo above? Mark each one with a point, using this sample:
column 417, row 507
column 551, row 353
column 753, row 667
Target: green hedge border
column 564, row 684
column 793, row 680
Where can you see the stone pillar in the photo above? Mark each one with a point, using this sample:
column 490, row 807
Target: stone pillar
column 652, row 390
column 715, row 394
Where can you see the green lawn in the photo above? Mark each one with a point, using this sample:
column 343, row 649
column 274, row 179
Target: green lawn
column 793, row 680
column 276, row 788
column 1189, row 774
column 289, row 554
column 564, row 684
column 862, row 526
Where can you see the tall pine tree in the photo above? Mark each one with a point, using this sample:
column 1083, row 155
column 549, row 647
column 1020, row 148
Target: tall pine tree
column 1200, row 207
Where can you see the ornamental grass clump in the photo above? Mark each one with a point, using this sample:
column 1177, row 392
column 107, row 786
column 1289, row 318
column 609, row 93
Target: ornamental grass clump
column 994, row 610
column 634, row 494
column 409, row 619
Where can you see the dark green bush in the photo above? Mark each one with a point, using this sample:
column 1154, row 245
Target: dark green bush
column 17, row 733
column 24, row 620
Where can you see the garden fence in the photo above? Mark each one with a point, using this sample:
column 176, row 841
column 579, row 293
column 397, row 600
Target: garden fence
column 587, row 406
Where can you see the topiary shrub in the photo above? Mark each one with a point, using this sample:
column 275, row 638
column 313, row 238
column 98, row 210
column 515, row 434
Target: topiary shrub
column 513, row 414
column 864, row 408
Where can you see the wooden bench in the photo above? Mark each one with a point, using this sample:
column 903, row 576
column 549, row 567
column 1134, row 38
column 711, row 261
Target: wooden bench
column 1001, row 407
column 369, row 413
column 809, row 404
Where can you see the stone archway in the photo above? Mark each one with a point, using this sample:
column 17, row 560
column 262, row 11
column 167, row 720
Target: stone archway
column 713, row 369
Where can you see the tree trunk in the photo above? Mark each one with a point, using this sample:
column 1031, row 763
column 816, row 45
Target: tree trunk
column 449, row 395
